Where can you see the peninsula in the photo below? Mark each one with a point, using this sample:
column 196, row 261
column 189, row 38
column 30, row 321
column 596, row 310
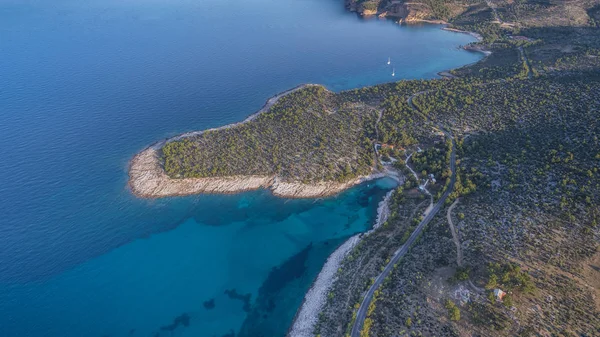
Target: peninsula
column 306, row 142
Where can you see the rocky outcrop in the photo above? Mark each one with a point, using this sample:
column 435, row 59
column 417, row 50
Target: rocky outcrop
column 399, row 11
column 300, row 190
column 403, row 11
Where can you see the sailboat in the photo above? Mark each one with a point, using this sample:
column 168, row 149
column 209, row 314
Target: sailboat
column 389, row 61
column 393, row 72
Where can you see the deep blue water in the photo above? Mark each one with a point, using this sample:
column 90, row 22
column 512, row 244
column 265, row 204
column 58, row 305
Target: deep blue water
column 85, row 84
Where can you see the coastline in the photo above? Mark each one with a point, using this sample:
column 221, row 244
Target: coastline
column 308, row 315
column 473, row 48
column 314, row 300
column 473, row 34
column 268, row 104
column 147, row 178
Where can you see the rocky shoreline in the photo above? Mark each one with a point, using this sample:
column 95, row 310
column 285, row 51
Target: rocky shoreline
column 147, row 179
column 470, row 47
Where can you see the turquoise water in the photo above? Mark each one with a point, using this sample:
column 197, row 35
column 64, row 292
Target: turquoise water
column 85, row 84
column 145, row 285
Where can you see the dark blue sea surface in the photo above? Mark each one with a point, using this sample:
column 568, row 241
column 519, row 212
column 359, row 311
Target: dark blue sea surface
column 85, row 84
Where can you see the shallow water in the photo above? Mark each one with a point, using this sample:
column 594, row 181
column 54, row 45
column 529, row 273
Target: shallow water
column 267, row 247
column 85, row 84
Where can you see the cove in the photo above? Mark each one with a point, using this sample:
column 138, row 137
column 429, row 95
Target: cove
column 87, row 84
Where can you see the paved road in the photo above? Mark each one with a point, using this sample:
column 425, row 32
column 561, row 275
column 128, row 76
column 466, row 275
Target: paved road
column 361, row 314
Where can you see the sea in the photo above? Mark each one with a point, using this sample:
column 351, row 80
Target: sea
column 86, row 84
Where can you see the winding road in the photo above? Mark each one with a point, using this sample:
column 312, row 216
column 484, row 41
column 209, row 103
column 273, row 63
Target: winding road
column 361, row 314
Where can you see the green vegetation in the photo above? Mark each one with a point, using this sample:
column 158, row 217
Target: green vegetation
column 462, row 274
column 309, row 135
column 509, row 277
column 370, row 5
column 453, row 311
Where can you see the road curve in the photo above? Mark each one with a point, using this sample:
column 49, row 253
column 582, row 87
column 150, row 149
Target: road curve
column 361, row 314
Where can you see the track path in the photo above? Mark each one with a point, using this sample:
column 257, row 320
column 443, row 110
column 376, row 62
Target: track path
column 459, row 256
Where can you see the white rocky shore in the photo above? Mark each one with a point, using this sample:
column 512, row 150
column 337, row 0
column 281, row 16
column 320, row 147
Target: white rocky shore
column 147, row 179
column 315, row 298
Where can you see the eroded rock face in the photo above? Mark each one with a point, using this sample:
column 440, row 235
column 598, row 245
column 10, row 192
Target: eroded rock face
column 147, row 179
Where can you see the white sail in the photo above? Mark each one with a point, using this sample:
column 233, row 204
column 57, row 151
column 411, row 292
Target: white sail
column 389, row 61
